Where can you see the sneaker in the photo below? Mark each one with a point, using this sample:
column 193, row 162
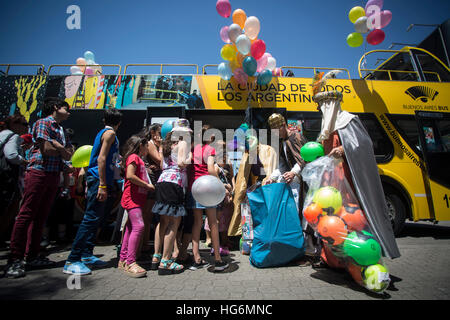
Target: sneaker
column 16, row 269
column 45, row 243
column 77, row 268
column 196, row 266
column 40, row 262
column 224, row 251
column 220, row 265
column 94, row 261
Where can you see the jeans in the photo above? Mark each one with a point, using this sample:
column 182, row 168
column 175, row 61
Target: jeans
column 83, row 245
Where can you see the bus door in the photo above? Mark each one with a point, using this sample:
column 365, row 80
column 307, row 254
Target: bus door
column 434, row 135
column 162, row 114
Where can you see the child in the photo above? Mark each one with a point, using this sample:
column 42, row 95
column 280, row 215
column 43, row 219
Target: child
column 170, row 193
column 137, row 185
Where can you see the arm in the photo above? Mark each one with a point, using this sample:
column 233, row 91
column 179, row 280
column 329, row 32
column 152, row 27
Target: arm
column 154, row 153
column 134, row 179
column 11, row 151
column 108, row 139
column 211, row 168
column 183, row 155
column 80, row 178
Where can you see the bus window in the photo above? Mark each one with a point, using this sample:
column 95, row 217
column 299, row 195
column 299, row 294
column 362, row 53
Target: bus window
column 432, row 70
column 310, row 123
column 406, row 125
column 382, row 146
column 399, row 67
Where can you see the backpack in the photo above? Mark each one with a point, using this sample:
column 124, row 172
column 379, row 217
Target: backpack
column 5, row 166
column 9, row 174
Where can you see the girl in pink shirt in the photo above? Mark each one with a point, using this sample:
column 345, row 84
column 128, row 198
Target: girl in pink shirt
column 137, row 185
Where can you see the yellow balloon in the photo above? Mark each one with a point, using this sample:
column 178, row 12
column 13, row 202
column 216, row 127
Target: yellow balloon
column 228, row 52
column 239, row 17
column 356, row 13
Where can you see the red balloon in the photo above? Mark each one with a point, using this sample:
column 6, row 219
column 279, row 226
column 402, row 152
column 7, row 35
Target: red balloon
column 257, row 49
column 376, row 37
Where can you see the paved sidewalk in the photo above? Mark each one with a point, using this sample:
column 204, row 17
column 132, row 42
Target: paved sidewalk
column 420, row 273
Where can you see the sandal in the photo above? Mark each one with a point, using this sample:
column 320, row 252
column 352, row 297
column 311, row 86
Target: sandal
column 169, row 267
column 121, row 265
column 135, row 271
column 155, row 264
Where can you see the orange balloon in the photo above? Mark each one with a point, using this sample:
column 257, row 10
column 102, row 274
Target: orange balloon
column 355, row 271
column 332, row 229
column 353, row 216
column 234, row 64
column 312, row 213
column 241, row 57
column 239, row 17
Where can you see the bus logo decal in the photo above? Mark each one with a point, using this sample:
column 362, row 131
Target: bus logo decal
column 421, row 93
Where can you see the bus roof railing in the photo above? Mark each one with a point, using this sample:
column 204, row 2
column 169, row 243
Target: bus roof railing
column 52, row 66
column 9, row 65
column 161, row 65
column 316, row 68
column 400, row 71
column 207, row 66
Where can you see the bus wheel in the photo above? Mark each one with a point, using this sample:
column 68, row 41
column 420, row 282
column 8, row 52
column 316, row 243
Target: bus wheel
column 396, row 209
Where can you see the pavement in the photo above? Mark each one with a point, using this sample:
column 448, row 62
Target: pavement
column 420, row 273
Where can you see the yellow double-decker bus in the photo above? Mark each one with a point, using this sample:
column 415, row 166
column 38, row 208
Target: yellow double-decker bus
column 404, row 105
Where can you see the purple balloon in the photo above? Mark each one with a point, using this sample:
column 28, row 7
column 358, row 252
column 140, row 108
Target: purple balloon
column 223, row 8
column 378, row 3
column 224, row 34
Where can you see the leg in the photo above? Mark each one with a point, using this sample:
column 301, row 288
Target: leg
column 170, row 236
column 213, row 225
column 125, row 241
column 196, row 229
column 137, row 228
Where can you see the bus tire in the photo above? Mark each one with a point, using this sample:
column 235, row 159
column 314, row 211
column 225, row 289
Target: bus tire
column 396, row 209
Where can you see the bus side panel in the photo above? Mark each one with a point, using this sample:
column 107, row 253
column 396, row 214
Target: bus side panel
column 441, row 201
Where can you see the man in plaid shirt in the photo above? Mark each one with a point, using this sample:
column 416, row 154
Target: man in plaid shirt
column 42, row 177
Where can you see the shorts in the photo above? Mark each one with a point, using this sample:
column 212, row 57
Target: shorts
column 191, row 203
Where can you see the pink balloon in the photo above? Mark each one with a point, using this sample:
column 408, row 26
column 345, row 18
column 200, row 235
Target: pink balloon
column 277, row 72
column 378, row 3
column 89, row 71
column 257, row 49
column 261, row 63
column 376, row 37
column 240, row 76
column 223, row 8
column 224, row 34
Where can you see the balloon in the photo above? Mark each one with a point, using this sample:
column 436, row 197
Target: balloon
column 224, row 34
column 228, row 52
column 355, row 39
column 252, row 27
column 376, row 37
column 81, row 157
column 224, row 71
column 271, row 63
column 369, row 3
column 239, row 17
column 355, row 271
column 208, row 190
column 277, row 72
column 89, row 71
column 243, row 44
column 240, row 76
column 223, row 8
column 258, row 49
column 166, row 127
column 234, row 64
column 312, row 213
column 251, row 142
column 264, row 77
column 311, row 151
column 97, row 68
column 361, row 25
column 362, row 247
column 376, row 278
column 329, row 199
column 355, row 13
column 75, row 70
column 249, row 66
column 261, row 63
column 332, row 229
column 382, row 18
column 89, row 55
column 353, row 217
column 234, row 31
column 81, row 61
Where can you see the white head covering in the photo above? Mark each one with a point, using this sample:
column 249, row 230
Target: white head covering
column 333, row 118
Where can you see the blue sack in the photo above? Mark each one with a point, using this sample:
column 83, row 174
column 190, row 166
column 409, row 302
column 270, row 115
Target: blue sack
column 278, row 236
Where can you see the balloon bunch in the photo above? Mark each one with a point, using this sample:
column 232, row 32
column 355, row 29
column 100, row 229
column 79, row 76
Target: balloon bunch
column 86, row 65
column 370, row 18
column 334, row 213
column 245, row 55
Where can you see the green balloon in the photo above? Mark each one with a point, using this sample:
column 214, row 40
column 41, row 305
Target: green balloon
column 81, row 156
column 329, row 198
column 362, row 247
column 376, row 278
column 355, row 39
column 311, row 151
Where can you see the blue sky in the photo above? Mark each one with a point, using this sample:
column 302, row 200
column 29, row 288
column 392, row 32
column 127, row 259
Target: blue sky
column 296, row 32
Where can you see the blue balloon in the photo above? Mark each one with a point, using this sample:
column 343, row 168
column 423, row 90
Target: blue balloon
column 89, row 55
column 249, row 65
column 166, row 128
column 224, row 71
column 264, row 77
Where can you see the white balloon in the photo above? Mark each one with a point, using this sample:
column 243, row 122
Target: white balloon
column 271, row 63
column 243, row 44
column 252, row 27
column 234, row 31
column 361, row 25
column 208, row 190
column 75, row 69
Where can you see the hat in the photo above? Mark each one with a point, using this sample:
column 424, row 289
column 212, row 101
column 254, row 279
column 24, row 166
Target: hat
column 181, row 125
column 276, row 120
column 27, row 138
